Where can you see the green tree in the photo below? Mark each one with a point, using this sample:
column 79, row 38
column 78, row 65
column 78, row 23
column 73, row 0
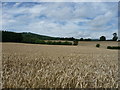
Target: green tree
column 114, row 37
column 102, row 38
column 81, row 39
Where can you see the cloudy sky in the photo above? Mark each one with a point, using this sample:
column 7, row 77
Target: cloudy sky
column 62, row 19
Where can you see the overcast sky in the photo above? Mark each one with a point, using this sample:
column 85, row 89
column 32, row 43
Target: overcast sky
column 60, row 19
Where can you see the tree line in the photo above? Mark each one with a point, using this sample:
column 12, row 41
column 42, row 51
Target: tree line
column 103, row 38
column 115, row 37
column 8, row 36
column 11, row 37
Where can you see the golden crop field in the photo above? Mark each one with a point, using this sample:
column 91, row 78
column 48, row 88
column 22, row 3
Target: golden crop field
column 55, row 66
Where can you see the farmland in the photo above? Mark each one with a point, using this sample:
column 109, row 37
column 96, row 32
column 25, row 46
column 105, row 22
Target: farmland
column 55, row 66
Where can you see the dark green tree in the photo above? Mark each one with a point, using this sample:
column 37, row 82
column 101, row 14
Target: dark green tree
column 8, row 36
column 87, row 39
column 81, row 39
column 102, row 38
column 115, row 37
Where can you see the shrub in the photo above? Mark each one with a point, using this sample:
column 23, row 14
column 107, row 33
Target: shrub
column 113, row 47
column 87, row 39
column 98, row 45
column 75, row 42
column 49, row 42
column 66, row 43
column 58, row 43
column 42, row 42
column 109, row 47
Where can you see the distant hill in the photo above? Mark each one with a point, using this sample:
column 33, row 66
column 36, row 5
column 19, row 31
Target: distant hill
column 8, row 36
column 31, row 37
column 41, row 37
column 27, row 37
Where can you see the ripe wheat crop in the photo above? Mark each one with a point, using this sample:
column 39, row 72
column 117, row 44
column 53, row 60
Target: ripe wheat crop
column 48, row 66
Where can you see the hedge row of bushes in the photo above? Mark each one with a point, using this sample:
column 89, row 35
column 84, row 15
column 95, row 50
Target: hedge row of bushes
column 113, row 47
column 53, row 42
column 58, row 43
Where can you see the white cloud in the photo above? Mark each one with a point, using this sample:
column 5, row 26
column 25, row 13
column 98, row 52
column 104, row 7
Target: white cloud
column 62, row 19
column 16, row 4
column 102, row 20
column 0, row 15
column 60, row 0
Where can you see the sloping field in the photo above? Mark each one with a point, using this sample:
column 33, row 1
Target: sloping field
column 49, row 66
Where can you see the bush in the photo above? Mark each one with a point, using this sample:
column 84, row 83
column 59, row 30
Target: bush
column 98, row 45
column 49, row 42
column 66, row 43
column 87, row 39
column 113, row 47
column 42, row 42
column 109, row 47
column 75, row 42
column 58, row 43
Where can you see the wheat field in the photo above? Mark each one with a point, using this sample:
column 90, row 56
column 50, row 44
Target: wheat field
column 55, row 66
